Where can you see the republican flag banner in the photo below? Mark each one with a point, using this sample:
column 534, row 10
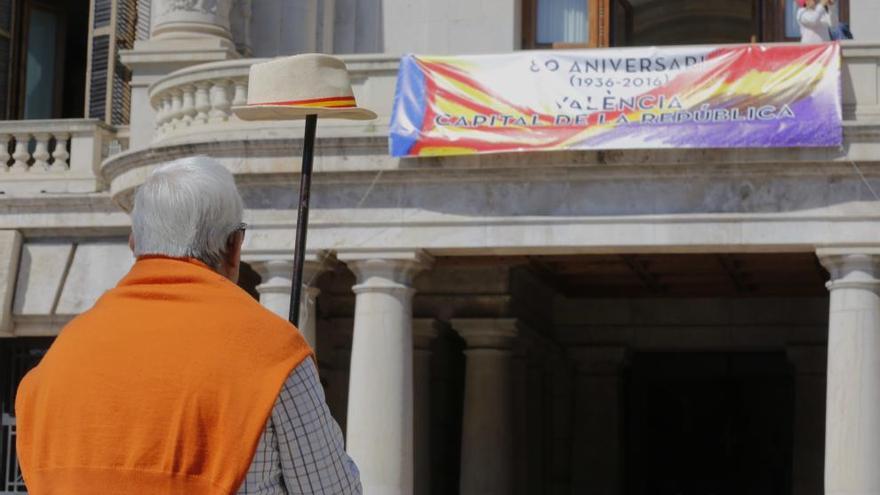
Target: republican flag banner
column 749, row 96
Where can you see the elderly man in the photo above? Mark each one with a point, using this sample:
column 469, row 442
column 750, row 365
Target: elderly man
column 177, row 381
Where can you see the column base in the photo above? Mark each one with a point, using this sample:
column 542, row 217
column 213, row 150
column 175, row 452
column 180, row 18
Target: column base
column 163, row 56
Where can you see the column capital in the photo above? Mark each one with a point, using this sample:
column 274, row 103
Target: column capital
column 386, row 270
column 498, row 333
column 852, row 267
column 602, row 360
column 425, row 330
column 276, row 270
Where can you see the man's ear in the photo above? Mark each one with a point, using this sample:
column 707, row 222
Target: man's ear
column 235, row 243
column 233, row 255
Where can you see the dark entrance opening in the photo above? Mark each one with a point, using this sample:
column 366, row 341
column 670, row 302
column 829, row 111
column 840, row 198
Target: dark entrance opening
column 709, row 424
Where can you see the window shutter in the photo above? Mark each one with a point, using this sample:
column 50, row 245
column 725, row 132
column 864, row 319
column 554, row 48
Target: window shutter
column 113, row 28
column 5, row 55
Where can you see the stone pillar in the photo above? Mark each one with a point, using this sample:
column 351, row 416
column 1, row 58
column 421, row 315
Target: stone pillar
column 860, row 14
column 424, row 333
column 10, row 251
column 487, row 423
column 380, row 397
column 852, row 420
column 597, row 452
column 183, row 33
column 276, row 284
column 809, row 418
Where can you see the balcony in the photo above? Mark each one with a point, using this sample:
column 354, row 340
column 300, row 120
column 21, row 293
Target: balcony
column 195, row 103
column 53, row 156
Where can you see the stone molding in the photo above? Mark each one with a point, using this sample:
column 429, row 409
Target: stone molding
column 488, row 333
column 387, row 271
column 852, row 267
column 277, row 270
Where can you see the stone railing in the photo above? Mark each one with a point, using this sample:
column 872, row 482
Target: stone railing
column 46, row 156
column 199, row 99
column 860, row 73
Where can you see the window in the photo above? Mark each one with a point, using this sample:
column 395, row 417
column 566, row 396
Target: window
column 575, row 23
column 561, row 21
column 601, row 23
column 42, row 58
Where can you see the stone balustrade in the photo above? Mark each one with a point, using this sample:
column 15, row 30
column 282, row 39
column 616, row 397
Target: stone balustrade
column 46, row 156
column 199, row 99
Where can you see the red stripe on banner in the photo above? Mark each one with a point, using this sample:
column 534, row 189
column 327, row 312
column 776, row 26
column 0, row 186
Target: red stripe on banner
column 453, row 73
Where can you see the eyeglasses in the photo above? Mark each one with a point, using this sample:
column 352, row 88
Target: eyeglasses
column 242, row 227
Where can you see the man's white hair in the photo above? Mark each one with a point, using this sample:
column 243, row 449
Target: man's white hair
column 187, row 208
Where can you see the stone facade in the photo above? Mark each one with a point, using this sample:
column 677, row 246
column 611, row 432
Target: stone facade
column 452, row 358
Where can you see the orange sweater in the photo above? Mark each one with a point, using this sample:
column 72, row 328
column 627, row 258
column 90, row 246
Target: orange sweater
column 163, row 387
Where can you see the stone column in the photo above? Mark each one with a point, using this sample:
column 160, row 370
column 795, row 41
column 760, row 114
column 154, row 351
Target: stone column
column 276, row 285
column 424, row 333
column 809, row 418
column 852, row 419
column 10, row 251
column 597, row 452
column 189, row 19
column 380, row 397
column 487, row 424
column 183, row 33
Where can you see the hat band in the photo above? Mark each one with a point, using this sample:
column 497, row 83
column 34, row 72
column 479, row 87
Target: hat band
column 334, row 102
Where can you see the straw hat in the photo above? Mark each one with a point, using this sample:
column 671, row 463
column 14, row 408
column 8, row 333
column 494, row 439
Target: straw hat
column 293, row 87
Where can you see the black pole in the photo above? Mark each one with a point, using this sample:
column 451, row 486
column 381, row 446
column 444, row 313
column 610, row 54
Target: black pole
column 302, row 217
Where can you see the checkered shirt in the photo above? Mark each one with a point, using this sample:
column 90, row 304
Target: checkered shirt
column 301, row 450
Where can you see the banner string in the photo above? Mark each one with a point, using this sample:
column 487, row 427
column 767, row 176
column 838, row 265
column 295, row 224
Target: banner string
column 864, row 180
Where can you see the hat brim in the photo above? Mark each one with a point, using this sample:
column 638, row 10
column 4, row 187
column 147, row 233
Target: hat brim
column 287, row 112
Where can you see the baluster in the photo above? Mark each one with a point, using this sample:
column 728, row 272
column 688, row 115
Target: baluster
column 188, row 110
column 203, row 102
column 41, row 152
column 166, row 113
column 4, row 152
column 159, row 119
column 60, row 154
column 240, row 97
column 220, row 101
column 21, row 154
column 176, row 109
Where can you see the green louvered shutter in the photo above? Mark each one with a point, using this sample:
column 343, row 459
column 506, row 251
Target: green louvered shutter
column 113, row 28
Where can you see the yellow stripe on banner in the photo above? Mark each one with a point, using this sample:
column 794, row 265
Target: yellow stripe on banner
column 483, row 98
column 446, row 150
column 759, row 83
